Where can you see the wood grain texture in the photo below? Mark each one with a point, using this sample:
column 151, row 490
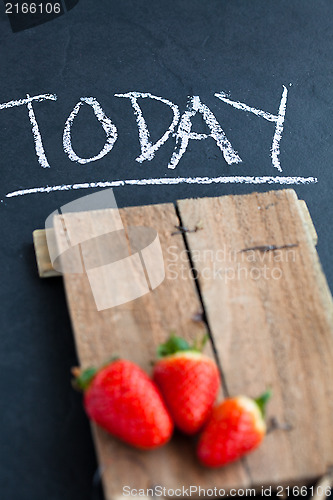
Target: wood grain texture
column 270, row 330
column 45, row 269
column 133, row 330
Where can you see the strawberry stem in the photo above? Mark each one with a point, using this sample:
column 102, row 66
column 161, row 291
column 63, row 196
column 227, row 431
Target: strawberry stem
column 262, row 401
column 83, row 379
column 199, row 344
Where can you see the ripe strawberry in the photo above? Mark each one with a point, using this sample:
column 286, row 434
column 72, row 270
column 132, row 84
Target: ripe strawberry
column 122, row 399
column 188, row 381
column 236, row 427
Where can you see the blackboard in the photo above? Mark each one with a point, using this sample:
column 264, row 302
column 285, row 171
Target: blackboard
column 255, row 81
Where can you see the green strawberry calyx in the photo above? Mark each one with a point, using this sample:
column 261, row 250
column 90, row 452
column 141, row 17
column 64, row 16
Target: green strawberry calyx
column 177, row 344
column 83, row 378
column 263, row 400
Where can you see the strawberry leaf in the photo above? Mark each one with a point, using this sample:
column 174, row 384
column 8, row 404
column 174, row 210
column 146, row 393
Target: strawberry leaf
column 262, row 401
column 176, row 344
column 173, row 345
column 84, row 379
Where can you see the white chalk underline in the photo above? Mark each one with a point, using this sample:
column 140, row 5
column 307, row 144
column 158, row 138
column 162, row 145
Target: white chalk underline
column 165, row 181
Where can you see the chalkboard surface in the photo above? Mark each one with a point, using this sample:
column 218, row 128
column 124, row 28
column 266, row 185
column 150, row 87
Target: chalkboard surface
column 161, row 100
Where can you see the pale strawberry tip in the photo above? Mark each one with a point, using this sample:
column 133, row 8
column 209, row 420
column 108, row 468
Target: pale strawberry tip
column 236, row 428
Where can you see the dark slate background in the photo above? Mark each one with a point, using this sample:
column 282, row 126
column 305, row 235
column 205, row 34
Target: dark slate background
column 172, row 49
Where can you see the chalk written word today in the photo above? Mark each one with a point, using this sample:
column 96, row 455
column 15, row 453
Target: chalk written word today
column 180, row 129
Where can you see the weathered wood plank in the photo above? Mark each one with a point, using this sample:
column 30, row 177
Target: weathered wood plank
column 133, row 330
column 270, row 331
column 46, row 270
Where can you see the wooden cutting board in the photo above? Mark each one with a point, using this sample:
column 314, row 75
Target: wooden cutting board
column 269, row 314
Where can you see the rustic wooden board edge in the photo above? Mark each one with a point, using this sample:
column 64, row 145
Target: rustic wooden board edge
column 44, row 265
column 326, row 294
column 307, row 221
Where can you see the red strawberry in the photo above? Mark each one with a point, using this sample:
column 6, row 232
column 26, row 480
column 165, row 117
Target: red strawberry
column 188, row 381
column 122, row 399
column 236, row 427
